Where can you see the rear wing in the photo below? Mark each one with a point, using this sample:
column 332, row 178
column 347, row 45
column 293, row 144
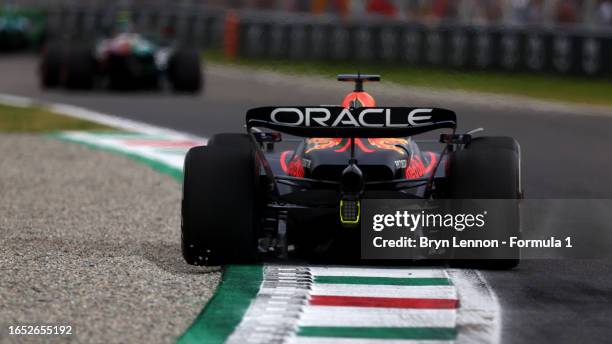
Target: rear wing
column 336, row 121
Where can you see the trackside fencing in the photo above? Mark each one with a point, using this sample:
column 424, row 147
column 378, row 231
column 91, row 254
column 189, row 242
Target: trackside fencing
column 559, row 50
column 196, row 25
column 537, row 49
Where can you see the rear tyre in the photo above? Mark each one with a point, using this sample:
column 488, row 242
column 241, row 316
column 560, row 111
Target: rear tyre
column 79, row 69
column 51, row 65
column 220, row 218
column 489, row 168
column 184, row 70
column 230, row 140
column 495, row 142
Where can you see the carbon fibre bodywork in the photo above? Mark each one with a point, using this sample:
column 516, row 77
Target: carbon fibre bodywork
column 346, row 155
column 381, row 159
column 313, row 224
column 130, row 60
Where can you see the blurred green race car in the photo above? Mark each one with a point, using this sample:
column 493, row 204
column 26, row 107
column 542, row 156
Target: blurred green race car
column 124, row 59
column 20, row 29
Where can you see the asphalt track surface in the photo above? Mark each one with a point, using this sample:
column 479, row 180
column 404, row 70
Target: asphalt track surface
column 566, row 154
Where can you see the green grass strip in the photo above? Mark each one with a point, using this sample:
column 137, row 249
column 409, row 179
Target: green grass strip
column 416, row 281
column 35, row 119
column 415, row 333
column 177, row 174
column 217, row 321
column 576, row 89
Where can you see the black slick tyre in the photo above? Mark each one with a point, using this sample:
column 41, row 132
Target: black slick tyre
column 230, row 140
column 51, row 65
column 79, row 68
column 219, row 209
column 489, row 168
column 184, row 71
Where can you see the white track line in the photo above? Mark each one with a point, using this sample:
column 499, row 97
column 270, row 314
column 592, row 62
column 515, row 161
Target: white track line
column 376, row 317
column 94, row 116
column 431, row 292
column 479, row 313
column 378, row 272
column 317, row 340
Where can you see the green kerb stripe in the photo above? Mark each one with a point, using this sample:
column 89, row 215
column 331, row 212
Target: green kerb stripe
column 416, row 333
column 154, row 164
column 225, row 310
column 426, row 281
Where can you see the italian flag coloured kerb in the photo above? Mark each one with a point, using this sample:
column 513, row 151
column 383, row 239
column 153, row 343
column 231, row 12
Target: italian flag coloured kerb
column 316, row 304
column 163, row 152
column 306, row 304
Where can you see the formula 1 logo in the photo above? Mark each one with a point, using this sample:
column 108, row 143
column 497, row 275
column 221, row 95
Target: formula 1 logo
column 367, row 118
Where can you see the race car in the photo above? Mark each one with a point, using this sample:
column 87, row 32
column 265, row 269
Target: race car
column 20, row 29
column 244, row 200
column 127, row 60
